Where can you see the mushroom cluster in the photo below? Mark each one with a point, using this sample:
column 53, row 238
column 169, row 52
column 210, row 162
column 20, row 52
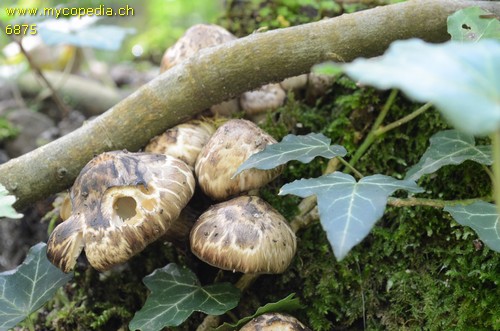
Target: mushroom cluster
column 243, row 233
column 121, row 201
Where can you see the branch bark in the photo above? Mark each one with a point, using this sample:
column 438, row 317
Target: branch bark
column 221, row 73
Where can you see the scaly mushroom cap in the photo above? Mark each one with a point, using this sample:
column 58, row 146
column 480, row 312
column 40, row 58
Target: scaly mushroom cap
column 244, row 234
column 183, row 141
column 274, row 322
column 233, row 143
column 194, row 39
column 121, row 202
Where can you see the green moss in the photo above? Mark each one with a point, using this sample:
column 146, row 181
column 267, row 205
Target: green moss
column 418, row 268
column 7, row 131
column 248, row 16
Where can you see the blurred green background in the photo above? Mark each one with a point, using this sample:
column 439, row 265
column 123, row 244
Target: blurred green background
column 157, row 23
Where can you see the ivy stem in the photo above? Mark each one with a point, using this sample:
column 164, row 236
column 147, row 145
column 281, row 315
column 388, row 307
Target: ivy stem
column 371, row 137
column 350, row 167
column 495, row 140
column 302, row 222
column 30, row 324
column 435, row 203
column 384, row 129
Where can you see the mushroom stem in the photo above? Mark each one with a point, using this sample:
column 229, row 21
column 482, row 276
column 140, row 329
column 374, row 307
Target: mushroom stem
column 210, row 322
column 246, row 281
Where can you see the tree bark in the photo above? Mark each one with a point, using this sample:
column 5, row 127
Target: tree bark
column 221, row 73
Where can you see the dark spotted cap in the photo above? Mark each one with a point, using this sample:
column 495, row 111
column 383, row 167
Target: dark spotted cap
column 120, row 203
column 244, row 234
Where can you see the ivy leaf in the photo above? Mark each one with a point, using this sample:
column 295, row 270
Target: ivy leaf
column 449, row 147
column 473, row 24
column 482, row 217
column 327, row 68
column 286, row 304
column 6, row 202
column 28, row 287
column 175, row 294
column 461, row 79
column 348, row 209
column 292, row 147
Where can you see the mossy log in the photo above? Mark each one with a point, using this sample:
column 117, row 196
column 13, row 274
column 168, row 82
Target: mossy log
column 221, row 73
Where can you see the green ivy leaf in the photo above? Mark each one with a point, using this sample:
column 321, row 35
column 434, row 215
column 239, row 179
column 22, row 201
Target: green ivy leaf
column 175, row 294
column 482, row 217
column 6, row 202
column 449, row 147
column 473, row 24
column 28, row 287
column 461, row 79
column 286, row 304
column 327, row 68
column 292, row 147
column 348, row 209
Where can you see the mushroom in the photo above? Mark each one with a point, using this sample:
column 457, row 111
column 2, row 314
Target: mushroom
column 244, row 234
column 318, row 85
column 121, row 202
column 295, row 83
column 257, row 102
column 230, row 145
column 198, row 37
column 183, row 141
column 274, row 322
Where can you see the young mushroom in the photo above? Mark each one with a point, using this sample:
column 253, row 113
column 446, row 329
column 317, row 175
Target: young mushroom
column 244, row 234
column 183, row 141
column 274, row 322
column 121, row 202
column 257, row 102
column 233, row 143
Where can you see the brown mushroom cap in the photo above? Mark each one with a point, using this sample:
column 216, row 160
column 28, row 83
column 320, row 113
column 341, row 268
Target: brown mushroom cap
column 183, row 141
column 121, row 202
column 244, row 234
column 274, row 322
column 233, row 143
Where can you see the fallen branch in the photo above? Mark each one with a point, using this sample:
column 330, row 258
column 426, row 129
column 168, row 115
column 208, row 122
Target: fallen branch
column 218, row 74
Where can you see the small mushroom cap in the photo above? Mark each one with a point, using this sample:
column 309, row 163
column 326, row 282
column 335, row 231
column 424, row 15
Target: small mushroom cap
column 197, row 37
column 268, row 97
column 318, row 85
column 233, row 143
column 294, row 83
column 244, row 234
column 121, row 202
column 274, row 322
column 183, row 141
